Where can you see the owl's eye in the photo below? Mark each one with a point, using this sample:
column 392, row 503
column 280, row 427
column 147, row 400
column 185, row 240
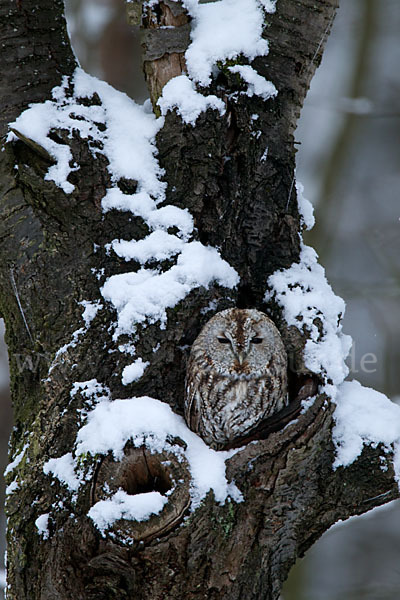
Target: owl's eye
column 256, row 340
column 223, row 340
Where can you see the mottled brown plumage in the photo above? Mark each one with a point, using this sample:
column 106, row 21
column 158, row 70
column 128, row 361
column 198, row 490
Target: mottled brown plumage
column 236, row 376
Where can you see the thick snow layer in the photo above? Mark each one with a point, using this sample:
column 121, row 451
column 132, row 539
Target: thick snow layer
column 42, row 523
column 110, row 425
column 258, row 85
column 180, row 93
column 118, row 128
column 220, row 31
column 308, row 302
column 146, row 294
column 223, row 30
column 159, row 245
column 124, row 506
column 364, row 416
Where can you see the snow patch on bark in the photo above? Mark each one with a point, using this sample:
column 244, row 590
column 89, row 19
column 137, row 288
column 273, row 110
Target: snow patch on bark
column 180, row 93
column 364, row 416
column 310, row 304
column 124, row 133
column 145, row 422
column 258, row 85
column 225, row 30
column 42, row 523
column 124, row 506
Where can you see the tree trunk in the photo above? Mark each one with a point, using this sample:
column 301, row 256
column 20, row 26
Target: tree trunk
column 53, row 244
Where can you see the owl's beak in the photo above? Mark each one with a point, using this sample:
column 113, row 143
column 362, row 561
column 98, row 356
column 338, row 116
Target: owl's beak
column 241, row 356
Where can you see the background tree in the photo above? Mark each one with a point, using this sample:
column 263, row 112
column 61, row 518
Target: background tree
column 59, row 241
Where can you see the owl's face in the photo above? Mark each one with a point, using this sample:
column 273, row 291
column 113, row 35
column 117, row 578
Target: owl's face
column 240, row 343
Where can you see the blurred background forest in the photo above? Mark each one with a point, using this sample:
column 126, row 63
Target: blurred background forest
column 349, row 163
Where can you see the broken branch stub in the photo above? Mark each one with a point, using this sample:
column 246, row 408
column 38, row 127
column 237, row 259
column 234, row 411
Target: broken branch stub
column 165, row 39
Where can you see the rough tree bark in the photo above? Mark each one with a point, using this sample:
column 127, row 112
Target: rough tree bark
column 245, row 207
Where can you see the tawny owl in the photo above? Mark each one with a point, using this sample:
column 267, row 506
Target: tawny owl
column 236, row 376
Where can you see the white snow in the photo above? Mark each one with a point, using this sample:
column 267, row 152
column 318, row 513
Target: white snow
column 35, row 123
column 124, row 506
column 127, row 141
column 42, row 523
column 180, row 93
column 91, row 389
column 64, row 469
column 306, row 209
column 159, row 245
column 146, row 294
column 269, row 5
column 91, row 310
column 223, row 30
column 307, row 300
column 14, row 464
column 3, row 581
column 134, row 371
column 364, row 416
column 12, row 488
column 142, row 205
column 264, row 155
column 258, row 85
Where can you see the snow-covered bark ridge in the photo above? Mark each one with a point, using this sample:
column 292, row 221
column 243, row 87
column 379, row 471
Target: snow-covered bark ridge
column 363, row 416
column 125, row 133
column 309, row 303
column 226, row 30
column 143, row 421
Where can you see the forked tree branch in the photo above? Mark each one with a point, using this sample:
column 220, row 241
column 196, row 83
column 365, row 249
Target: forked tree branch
column 53, row 245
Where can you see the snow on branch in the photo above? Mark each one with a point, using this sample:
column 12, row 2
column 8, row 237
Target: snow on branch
column 125, row 134
column 362, row 416
column 145, row 422
column 222, row 31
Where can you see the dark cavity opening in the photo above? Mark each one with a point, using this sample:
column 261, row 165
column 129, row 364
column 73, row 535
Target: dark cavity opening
column 145, row 473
